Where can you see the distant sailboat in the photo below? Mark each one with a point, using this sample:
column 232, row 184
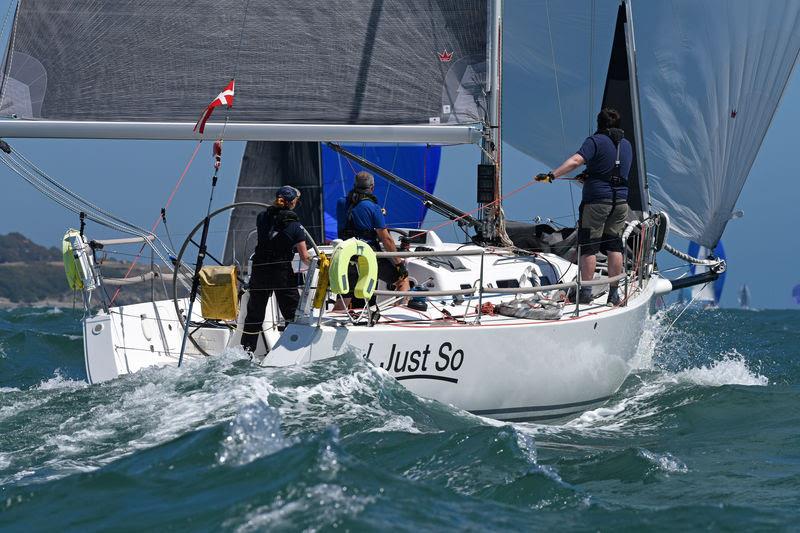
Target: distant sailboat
column 744, row 297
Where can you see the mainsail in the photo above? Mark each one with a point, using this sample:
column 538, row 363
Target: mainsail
column 381, row 62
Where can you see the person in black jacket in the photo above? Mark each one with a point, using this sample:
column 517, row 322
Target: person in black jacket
column 279, row 234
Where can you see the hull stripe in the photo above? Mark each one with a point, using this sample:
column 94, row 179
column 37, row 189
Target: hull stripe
column 427, row 376
column 538, row 407
column 540, row 417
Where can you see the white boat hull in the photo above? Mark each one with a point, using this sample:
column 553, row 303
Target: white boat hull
column 502, row 367
column 516, row 372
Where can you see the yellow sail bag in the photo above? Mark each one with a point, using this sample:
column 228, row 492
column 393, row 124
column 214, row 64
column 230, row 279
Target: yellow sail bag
column 219, row 296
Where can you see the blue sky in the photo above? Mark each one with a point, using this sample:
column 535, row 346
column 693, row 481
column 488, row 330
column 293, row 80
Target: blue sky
column 134, row 178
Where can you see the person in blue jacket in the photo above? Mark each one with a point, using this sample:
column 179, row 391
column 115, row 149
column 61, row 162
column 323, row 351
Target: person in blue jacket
column 360, row 216
column 604, row 205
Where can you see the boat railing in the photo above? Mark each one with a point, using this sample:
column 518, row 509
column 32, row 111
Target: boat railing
column 479, row 290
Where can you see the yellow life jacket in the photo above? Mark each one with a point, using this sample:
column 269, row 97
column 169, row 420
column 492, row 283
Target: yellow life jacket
column 322, row 280
column 367, row 268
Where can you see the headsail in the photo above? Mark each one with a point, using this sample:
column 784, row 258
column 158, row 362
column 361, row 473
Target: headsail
column 711, row 74
column 266, row 166
column 556, row 57
column 321, row 62
column 555, row 85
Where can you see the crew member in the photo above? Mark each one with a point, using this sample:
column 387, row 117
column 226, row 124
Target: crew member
column 279, row 234
column 604, row 208
column 360, row 216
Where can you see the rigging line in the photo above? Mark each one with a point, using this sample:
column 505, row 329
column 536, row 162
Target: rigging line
column 560, row 107
column 241, row 39
column 591, row 63
column 479, row 208
column 158, row 219
column 664, row 335
column 74, row 202
column 65, row 200
column 394, row 162
column 54, row 184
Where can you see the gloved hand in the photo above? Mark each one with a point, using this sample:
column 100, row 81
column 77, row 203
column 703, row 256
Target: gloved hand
column 581, row 178
column 402, row 272
column 548, row 177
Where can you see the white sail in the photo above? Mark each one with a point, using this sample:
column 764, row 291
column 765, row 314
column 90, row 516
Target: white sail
column 711, row 74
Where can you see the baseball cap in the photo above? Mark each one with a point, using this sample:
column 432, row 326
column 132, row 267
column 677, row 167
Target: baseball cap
column 287, row 192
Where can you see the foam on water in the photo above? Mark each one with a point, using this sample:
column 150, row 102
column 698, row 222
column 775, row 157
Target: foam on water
column 731, row 369
column 401, row 423
column 58, row 381
column 336, row 501
column 665, row 462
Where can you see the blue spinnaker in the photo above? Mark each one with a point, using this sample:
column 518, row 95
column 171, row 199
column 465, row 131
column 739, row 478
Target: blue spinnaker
column 418, row 164
column 695, row 250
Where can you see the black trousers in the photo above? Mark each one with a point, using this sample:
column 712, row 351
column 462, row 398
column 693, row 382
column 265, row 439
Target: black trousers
column 266, row 280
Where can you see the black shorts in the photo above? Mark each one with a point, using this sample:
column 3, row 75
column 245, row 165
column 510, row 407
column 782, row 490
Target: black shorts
column 601, row 226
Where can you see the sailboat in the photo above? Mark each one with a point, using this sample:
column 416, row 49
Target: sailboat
column 744, row 297
column 495, row 335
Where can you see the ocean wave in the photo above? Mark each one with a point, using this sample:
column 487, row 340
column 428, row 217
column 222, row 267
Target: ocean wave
column 254, row 433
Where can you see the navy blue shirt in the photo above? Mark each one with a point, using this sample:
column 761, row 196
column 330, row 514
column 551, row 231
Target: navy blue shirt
column 367, row 216
column 600, row 155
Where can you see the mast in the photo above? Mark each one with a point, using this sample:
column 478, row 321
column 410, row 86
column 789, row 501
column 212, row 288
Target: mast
column 494, row 226
column 630, row 42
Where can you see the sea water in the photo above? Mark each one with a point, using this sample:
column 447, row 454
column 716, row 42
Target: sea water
column 704, row 435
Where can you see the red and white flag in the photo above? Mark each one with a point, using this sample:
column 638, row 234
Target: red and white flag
column 223, row 98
